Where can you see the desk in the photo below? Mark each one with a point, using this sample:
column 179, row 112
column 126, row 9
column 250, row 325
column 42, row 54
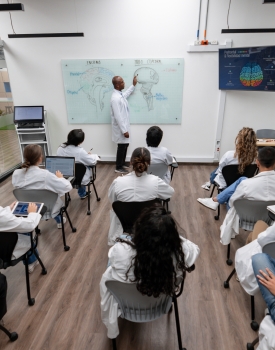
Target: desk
column 265, row 143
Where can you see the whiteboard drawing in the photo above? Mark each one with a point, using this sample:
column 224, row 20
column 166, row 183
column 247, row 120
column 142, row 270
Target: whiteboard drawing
column 95, row 83
column 147, row 77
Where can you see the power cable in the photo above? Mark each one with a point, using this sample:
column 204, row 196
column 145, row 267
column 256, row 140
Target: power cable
column 228, row 13
column 11, row 20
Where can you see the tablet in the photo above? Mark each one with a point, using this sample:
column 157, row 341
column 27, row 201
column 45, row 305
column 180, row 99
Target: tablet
column 21, row 208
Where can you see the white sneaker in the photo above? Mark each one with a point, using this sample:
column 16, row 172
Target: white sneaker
column 31, row 267
column 206, row 186
column 60, row 225
column 209, row 203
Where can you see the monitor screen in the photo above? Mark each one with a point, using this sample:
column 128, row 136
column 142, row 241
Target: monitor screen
column 247, row 68
column 64, row 164
column 28, row 114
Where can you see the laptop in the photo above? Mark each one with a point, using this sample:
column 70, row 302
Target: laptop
column 66, row 165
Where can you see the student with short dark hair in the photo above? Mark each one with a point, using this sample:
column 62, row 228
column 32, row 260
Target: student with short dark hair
column 72, row 148
column 137, row 186
column 158, row 153
column 260, row 187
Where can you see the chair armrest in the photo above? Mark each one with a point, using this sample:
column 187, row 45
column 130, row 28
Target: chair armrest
column 181, row 289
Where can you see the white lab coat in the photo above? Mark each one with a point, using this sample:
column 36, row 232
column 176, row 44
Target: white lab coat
column 120, row 115
column 260, row 187
column 120, row 258
column 162, row 155
column 243, row 259
column 267, row 334
column 12, row 223
column 227, row 159
column 81, row 156
column 41, row 179
column 131, row 188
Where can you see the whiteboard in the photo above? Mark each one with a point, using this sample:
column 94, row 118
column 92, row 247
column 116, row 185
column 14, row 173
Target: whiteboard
column 157, row 98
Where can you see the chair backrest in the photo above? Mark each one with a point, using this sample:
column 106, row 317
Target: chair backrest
column 136, row 307
column 250, row 211
column 159, row 169
column 269, row 249
column 128, row 212
column 3, row 295
column 47, row 197
column 8, row 241
column 265, row 134
column 80, row 170
column 231, row 172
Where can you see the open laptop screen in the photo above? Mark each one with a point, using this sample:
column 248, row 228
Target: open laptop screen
column 66, row 165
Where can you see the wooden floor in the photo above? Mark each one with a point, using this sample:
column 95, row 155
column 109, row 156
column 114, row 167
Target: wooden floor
column 10, row 154
column 66, row 314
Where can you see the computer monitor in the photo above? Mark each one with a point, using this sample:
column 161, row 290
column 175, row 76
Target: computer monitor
column 28, row 114
column 66, row 165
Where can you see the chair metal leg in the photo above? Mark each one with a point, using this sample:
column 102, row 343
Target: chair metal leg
column 177, row 323
column 228, row 261
column 219, row 211
column 44, row 271
column 89, row 201
column 37, row 230
column 66, row 247
column 226, row 283
column 114, row 344
column 31, row 300
column 250, row 346
column 213, row 188
column 254, row 325
column 97, row 198
column 13, row 336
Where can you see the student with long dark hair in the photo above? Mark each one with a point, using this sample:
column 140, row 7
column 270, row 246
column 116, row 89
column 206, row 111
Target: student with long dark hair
column 137, row 186
column 71, row 148
column 155, row 259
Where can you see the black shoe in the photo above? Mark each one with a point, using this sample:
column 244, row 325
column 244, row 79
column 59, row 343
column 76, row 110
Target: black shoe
column 121, row 171
column 86, row 195
column 125, row 166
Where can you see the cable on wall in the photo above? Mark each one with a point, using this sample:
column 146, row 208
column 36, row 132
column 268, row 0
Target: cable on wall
column 228, row 14
column 11, row 20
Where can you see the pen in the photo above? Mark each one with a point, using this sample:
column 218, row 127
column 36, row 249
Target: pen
column 91, row 149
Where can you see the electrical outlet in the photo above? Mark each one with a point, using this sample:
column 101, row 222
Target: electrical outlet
column 214, row 42
column 197, row 42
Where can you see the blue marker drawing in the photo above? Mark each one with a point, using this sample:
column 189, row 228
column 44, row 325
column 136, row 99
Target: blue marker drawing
column 160, row 97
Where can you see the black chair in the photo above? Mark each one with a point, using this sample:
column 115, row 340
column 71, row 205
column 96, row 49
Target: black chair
column 3, row 304
column 128, row 212
column 231, row 174
column 8, row 241
column 49, row 198
column 80, row 170
column 136, row 307
column 173, row 166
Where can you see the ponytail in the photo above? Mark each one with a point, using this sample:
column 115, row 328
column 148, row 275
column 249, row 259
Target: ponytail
column 140, row 160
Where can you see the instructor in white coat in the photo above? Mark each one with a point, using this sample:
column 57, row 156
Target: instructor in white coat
column 121, row 121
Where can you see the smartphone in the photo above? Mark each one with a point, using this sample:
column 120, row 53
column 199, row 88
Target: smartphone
column 21, row 208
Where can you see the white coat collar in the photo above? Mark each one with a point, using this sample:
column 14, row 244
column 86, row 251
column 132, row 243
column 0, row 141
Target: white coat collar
column 266, row 173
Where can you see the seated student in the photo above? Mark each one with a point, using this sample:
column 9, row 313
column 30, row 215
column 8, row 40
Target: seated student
column 264, row 269
column 244, row 154
column 243, row 258
column 259, row 187
column 12, row 223
column 31, row 177
column 71, row 148
column 158, row 154
column 156, row 253
column 137, row 186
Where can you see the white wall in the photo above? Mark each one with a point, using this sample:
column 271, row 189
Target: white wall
column 147, row 28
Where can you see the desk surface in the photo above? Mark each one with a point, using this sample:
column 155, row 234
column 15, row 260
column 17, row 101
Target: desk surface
column 265, row 142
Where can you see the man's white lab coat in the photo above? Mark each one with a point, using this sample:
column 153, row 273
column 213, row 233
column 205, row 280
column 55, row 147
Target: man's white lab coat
column 267, row 334
column 120, row 257
column 81, row 156
column 243, row 262
column 120, row 115
column 41, row 179
column 131, row 188
column 12, row 223
column 260, row 187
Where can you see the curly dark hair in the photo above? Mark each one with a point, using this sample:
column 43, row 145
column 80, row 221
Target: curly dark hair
column 159, row 255
column 246, row 148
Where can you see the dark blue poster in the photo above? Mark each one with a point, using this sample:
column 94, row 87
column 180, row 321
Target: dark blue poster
column 247, row 68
